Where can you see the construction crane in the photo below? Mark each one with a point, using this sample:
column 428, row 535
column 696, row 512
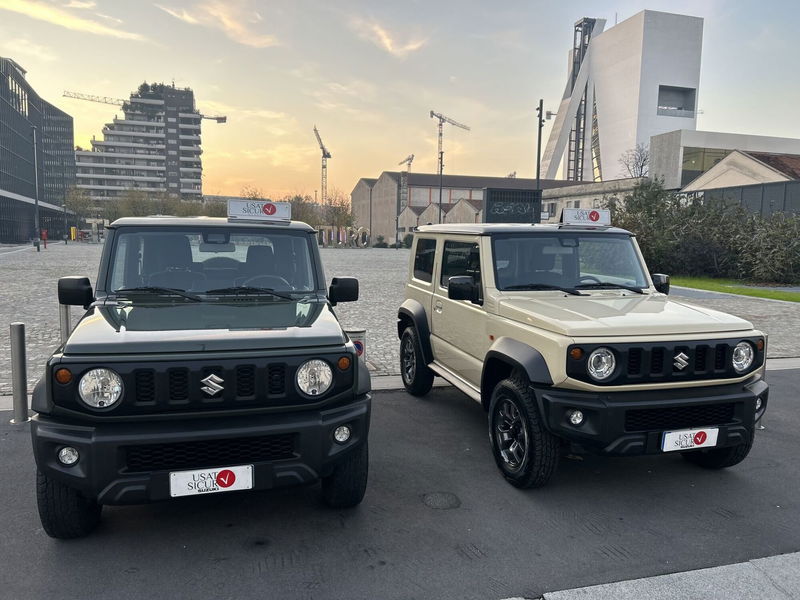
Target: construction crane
column 407, row 161
column 325, row 156
column 442, row 120
column 120, row 102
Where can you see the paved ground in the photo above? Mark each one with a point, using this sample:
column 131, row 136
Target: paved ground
column 29, row 280
column 437, row 522
column 772, row 578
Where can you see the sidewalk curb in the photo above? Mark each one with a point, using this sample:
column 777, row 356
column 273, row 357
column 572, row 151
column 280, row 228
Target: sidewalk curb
column 683, row 287
column 771, row 578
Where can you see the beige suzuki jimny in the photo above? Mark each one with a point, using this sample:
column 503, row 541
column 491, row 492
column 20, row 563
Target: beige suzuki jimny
column 568, row 342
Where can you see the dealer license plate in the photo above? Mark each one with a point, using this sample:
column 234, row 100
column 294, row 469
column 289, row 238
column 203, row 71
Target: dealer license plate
column 689, row 439
column 210, row 481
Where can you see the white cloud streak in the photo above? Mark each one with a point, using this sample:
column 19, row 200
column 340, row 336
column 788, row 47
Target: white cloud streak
column 234, row 18
column 374, row 32
column 55, row 15
column 25, row 47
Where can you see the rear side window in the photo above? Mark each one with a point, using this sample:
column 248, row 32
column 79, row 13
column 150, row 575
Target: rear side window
column 423, row 259
column 460, row 258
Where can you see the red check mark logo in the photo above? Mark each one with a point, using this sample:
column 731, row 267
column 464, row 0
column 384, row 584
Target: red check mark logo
column 700, row 437
column 225, row 478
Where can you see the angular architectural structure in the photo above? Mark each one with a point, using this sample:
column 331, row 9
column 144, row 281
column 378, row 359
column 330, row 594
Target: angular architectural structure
column 155, row 147
column 637, row 79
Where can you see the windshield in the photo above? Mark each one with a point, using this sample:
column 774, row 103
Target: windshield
column 573, row 260
column 211, row 259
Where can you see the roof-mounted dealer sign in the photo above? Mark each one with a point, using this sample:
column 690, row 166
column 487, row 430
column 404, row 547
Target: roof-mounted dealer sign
column 259, row 210
column 600, row 217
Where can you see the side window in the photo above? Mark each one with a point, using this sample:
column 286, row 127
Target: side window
column 423, row 259
column 460, row 258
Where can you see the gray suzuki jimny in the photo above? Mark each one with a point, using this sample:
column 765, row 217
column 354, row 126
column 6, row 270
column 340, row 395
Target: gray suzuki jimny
column 209, row 360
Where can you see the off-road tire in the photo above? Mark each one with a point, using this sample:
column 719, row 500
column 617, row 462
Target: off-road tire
column 540, row 459
column 720, row 458
column 65, row 513
column 345, row 487
column 417, row 379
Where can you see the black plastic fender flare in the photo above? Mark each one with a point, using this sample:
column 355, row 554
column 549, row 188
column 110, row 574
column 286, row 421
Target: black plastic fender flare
column 520, row 356
column 413, row 310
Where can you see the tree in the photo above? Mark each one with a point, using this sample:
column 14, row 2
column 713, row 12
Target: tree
column 339, row 211
column 79, row 202
column 636, row 161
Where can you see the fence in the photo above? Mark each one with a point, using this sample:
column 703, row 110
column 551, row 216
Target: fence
column 764, row 198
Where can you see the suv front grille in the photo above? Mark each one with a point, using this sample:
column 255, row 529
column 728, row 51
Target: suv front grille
column 654, row 419
column 208, row 453
column 664, row 362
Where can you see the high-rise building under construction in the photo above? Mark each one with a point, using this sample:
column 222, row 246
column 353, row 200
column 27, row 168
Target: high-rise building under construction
column 154, row 147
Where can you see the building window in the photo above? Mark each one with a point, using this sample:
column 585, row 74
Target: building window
column 676, row 101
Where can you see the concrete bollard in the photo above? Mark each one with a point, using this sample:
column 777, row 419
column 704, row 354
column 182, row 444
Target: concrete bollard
column 64, row 322
column 19, row 375
column 359, row 339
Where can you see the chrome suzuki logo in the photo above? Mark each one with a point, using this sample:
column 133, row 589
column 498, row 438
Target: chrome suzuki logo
column 212, row 384
column 680, row 361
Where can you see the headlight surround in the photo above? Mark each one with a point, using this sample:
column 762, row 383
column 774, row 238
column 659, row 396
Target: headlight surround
column 743, row 356
column 601, row 364
column 100, row 388
column 314, row 377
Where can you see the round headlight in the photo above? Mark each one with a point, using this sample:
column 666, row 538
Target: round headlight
column 314, row 377
column 743, row 356
column 601, row 364
column 100, row 388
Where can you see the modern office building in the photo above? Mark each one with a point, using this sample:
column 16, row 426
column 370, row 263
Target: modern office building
column 378, row 203
column 43, row 169
column 154, row 147
column 624, row 85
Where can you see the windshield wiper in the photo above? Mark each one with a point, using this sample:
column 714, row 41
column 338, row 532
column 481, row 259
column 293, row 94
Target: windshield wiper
column 150, row 289
column 247, row 289
column 609, row 284
column 544, row 286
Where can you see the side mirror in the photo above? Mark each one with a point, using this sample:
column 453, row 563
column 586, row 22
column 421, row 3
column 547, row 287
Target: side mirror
column 343, row 289
column 463, row 287
column 75, row 291
column 661, row 282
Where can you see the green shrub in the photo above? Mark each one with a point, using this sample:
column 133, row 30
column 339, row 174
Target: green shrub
column 709, row 239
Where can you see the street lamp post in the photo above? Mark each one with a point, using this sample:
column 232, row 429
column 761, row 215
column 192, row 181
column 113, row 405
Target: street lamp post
column 540, row 118
column 36, row 192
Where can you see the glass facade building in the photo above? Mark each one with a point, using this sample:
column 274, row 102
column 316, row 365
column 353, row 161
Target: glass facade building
column 37, row 159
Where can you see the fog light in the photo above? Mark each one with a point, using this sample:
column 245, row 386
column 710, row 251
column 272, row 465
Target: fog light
column 758, row 404
column 575, row 417
column 68, row 455
column 341, row 434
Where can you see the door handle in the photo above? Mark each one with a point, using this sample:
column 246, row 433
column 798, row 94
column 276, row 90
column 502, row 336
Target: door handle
column 437, row 307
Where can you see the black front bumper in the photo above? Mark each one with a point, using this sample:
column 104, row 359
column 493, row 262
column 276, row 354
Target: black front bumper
column 113, row 464
column 631, row 423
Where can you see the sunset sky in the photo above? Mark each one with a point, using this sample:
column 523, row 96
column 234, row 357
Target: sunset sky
column 368, row 74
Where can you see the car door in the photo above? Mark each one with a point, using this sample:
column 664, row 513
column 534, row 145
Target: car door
column 459, row 326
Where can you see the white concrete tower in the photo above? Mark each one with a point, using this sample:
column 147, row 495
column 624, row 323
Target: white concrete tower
column 637, row 79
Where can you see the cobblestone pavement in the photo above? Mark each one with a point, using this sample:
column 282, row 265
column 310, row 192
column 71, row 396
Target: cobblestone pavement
column 28, row 294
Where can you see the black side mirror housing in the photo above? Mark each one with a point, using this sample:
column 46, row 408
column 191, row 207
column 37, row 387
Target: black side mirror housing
column 75, row 291
column 661, row 282
column 343, row 289
column 463, row 287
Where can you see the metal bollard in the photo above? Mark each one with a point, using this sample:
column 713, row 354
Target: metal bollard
column 19, row 375
column 64, row 322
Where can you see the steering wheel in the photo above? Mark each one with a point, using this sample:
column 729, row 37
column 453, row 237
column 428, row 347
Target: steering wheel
column 268, row 281
column 587, row 278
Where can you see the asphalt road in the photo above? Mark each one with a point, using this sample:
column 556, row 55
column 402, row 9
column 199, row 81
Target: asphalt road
column 601, row 520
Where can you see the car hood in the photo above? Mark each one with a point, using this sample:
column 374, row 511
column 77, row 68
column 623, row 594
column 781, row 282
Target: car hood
column 615, row 314
column 198, row 327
